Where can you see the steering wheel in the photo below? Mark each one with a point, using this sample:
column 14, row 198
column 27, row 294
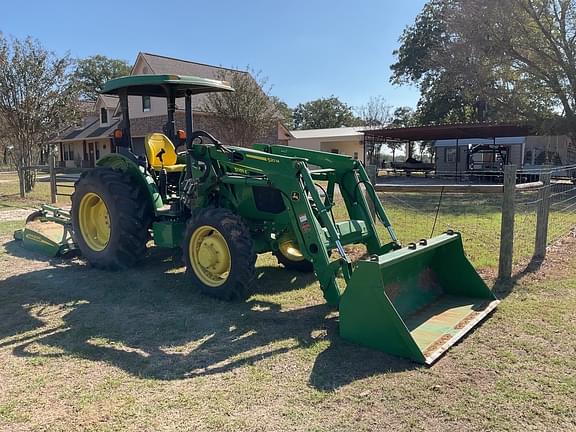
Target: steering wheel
column 200, row 134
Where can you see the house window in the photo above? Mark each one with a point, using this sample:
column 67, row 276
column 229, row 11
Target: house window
column 103, row 116
column 145, row 103
column 356, row 155
column 335, row 151
column 450, row 154
column 68, row 151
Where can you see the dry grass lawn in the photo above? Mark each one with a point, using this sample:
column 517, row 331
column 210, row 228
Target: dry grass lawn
column 140, row 350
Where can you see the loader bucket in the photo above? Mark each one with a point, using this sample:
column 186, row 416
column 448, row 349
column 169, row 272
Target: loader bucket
column 415, row 302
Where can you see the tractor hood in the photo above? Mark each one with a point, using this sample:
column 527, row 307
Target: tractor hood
column 156, row 85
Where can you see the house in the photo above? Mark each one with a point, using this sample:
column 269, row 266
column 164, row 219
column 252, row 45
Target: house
column 345, row 140
column 83, row 144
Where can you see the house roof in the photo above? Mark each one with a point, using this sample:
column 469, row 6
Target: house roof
column 109, row 101
column 86, row 107
column 158, row 64
column 91, row 130
column 329, row 133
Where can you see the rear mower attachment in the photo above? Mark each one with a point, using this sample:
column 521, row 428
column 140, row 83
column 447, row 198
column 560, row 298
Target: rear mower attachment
column 48, row 231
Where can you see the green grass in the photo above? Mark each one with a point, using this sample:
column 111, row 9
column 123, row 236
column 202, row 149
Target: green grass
column 476, row 216
column 10, row 193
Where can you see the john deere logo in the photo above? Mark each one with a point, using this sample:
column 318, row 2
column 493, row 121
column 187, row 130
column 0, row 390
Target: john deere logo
column 295, row 196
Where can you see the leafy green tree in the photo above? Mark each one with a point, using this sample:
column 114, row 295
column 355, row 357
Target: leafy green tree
column 324, row 113
column 92, row 72
column 404, row 117
column 37, row 100
column 536, row 41
column 458, row 53
column 285, row 112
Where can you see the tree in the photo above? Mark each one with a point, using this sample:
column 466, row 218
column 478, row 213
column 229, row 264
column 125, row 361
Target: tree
column 247, row 115
column 537, row 40
column 491, row 60
column 375, row 113
column 37, row 100
column 402, row 117
column 285, row 111
column 324, row 113
column 92, row 72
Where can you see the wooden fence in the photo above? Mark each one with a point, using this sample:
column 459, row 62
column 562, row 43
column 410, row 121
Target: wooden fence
column 60, row 182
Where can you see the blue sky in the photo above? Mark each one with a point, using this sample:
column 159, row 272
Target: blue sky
column 307, row 49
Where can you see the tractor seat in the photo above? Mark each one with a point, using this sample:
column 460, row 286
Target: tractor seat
column 155, row 143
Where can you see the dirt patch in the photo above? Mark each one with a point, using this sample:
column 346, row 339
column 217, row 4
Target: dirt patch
column 14, row 215
column 84, row 349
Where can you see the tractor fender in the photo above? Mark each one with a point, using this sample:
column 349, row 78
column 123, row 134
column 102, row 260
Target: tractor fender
column 122, row 163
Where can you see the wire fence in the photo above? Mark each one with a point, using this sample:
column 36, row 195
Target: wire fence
column 540, row 195
column 562, row 203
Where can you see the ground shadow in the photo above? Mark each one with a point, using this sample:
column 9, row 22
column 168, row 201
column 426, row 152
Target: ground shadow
column 504, row 287
column 149, row 322
column 14, row 248
column 272, row 280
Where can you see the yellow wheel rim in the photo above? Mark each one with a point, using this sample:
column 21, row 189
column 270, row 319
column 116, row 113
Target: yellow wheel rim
column 289, row 248
column 94, row 221
column 210, row 256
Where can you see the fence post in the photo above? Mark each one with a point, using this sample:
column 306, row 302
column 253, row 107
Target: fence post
column 542, row 217
column 21, row 173
column 507, row 227
column 372, row 172
column 51, row 166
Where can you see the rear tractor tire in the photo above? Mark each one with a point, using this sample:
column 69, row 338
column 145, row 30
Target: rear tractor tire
column 219, row 253
column 111, row 216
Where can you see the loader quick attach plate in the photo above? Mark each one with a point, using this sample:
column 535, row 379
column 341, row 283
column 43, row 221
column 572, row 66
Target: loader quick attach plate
column 415, row 302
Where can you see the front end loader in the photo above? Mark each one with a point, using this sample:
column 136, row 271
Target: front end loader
column 223, row 205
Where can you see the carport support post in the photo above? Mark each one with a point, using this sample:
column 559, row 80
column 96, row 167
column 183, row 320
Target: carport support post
column 507, row 227
column 542, row 217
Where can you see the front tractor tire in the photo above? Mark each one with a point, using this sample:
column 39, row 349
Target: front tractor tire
column 294, row 263
column 219, row 253
column 290, row 256
column 111, row 216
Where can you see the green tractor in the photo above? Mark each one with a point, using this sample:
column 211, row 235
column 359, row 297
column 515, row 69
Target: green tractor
column 223, row 205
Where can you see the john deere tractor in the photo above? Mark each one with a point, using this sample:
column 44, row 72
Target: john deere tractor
column 223, row 205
